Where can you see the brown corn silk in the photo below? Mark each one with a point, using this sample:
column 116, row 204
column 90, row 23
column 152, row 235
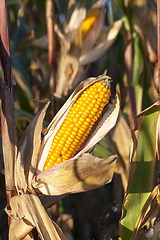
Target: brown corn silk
column 78, row 123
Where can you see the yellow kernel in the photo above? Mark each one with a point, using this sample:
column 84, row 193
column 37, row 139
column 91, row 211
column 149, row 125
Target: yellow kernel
column 86, row 123
column 105, row 100
column 95, row 109
column 88, row 119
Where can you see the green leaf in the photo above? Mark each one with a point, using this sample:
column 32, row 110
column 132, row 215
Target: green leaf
column 10, row 2
column 142, row 168
column 138, row 63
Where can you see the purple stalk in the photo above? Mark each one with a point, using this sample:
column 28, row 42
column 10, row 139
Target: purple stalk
column 5, row 44
column 5, row 56
column 129, row 66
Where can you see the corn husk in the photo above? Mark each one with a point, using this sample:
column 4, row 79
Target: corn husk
column 92, row 35
column 104, row 42
column 27, row 212
column 62, row 178
column 28, row 149
column 105, row 125
column 76, row 175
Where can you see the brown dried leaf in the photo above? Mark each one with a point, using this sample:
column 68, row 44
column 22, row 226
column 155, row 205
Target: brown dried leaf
column 29, row 210
column 69, row 65
column 120, row 138
column 28, row 152
column 105, row 41
column 149, row 211
column 9, row 142
column 75, row 175
column 77, row 17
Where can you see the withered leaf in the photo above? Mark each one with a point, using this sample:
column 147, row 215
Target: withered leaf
column 75, row 175
column 28, row 152
column 30, row 211
column 104, row 42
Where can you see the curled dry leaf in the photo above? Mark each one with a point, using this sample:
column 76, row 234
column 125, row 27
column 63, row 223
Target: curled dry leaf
column 28, row 149
column 76, row 175
column 149, row 211
column 27, row 211
column 120, row 139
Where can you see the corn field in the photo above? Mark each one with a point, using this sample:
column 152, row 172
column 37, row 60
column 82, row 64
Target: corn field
column 80, row 123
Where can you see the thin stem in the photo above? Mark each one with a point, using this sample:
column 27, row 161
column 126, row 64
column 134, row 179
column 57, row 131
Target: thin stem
column 5, row 44
column 51, row 42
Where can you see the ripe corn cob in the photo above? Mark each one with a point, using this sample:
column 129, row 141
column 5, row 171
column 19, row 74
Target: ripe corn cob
column 89, row 21
column 78, row 123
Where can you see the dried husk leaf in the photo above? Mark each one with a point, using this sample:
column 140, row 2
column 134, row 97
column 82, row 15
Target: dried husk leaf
column 77, row 17
column 61, row 115
column 28, row 152
column 105, row 41
column 121, row 141
column 75, row 175
column 9, row 142
column 29, row 211
column 68, row 64
column 149, row 211
column 93, row 34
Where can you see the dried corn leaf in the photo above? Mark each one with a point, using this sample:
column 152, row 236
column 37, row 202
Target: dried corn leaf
column 149, row 211
column 120, row 138
column 68, row 65
column 28, row 152
column 29, row 211
column 105, row 41
column 75, row 175
column 74, row 23
column 9, row 142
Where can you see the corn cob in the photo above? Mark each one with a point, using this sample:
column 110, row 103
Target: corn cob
column 78, row 123
column 88, row 22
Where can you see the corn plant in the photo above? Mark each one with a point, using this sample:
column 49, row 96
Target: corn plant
column 45, row 163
